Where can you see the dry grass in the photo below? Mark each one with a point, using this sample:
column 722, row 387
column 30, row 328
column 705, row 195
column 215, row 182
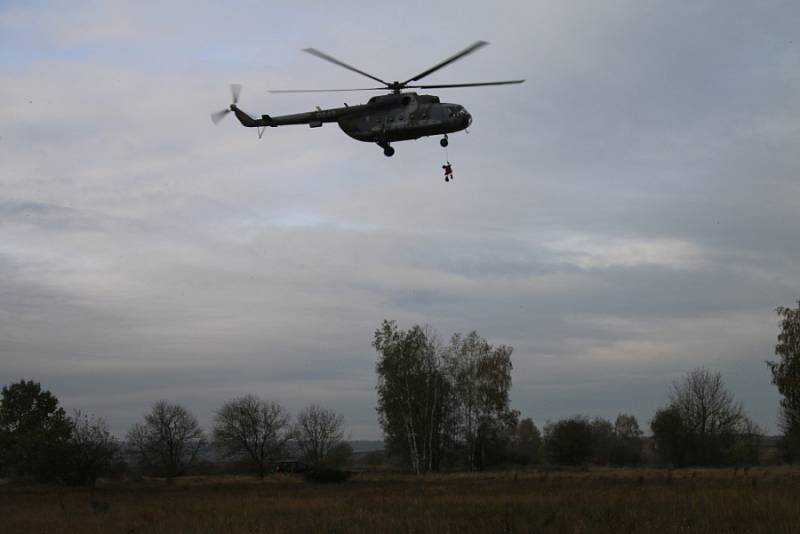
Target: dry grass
column 600, row 500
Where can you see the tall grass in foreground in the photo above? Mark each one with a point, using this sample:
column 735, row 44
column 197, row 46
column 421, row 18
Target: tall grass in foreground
column 600, row 500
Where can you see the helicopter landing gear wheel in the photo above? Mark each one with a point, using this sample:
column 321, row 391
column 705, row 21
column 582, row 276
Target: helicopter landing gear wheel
column 388, row 151
column 443, row 141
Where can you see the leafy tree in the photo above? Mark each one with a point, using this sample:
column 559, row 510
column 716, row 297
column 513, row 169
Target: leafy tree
column 480, row 375
column 33, row 432
column 527, row 445
column 746, row 446
column 786, row 376
column 580, row 440
column 412, row 394
column 569, row 441
column 319, row 431
column 495, row 438
column 627, row 441
column 91, row 449
column 670, row 435
column 339, row 455
column 626, row 427
column 790, row 441
column 253, row 429
column 443, row 407
column 603, row 441
column 168, row 441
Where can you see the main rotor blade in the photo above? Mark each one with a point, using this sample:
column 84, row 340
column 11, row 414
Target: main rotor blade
column 326, row 57
column 479, row 84
column 324, row 90
column 470, row 49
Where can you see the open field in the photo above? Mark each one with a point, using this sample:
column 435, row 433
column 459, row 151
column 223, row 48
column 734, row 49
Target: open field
column 599, row 500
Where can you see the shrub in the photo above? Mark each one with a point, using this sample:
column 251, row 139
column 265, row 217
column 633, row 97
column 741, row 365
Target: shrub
column 326, row 476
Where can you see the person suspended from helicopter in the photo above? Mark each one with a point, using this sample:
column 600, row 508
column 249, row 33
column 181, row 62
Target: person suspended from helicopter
column 448, row 172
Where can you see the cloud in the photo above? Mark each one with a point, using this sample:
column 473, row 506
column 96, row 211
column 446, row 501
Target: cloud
column 599, row 252
column 626, row 214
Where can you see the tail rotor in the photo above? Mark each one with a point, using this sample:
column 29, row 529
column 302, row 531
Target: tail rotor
column 236, row 90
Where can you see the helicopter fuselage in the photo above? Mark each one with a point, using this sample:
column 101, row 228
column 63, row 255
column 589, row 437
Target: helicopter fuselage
column 403, row 117
column 382, row 120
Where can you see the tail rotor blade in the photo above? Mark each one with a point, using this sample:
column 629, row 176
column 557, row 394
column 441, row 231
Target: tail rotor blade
column 236, row 90
column 219, row 115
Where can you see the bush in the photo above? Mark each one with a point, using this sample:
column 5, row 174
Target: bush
column 569, row 441
column 326, row 476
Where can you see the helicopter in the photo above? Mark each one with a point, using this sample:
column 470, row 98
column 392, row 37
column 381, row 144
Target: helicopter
column 398, row 116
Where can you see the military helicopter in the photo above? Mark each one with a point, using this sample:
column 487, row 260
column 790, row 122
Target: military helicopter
column 397, row 116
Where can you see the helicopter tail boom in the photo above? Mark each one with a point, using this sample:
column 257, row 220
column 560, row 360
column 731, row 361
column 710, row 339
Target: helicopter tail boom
column 249, row 121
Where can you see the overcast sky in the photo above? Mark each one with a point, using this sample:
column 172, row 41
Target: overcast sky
column 627, row 214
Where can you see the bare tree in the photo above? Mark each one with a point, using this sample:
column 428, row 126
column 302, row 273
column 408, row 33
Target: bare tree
column 706, row 417
column 706, row 406
column 250, row 428
column 168, row 441
column 318, row 431
column 92, row 449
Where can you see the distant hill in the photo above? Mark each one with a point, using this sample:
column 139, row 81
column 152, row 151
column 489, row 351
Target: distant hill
column 362, row 445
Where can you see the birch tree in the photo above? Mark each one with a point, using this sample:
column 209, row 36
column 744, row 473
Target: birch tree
column 411, row 393
column 480, row 375
column 786, row 376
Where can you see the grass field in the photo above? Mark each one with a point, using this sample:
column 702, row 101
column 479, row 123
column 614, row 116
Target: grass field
column 599, row 500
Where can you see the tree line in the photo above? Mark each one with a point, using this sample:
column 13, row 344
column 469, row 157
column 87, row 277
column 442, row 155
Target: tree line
column 446, row 406
column 39, row 441
column 441, row 406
